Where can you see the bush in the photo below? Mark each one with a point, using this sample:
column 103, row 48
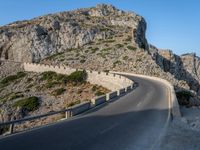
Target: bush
column 16, row 95
column 106, row 71
column 116, row 62
column 54, row 56
column 82, row 61
column 106, row 49
column 183, row 97
column 110, row 41
column 73, row 103
column 10, row 96
column 49, row 75
column 4, row 129
column 61, row 78
column 21, row 74
column 51, row 84
column 99, row 93
column 119, row 45
column 53, row 78
column 30, row 103
column 131, row 48
column 94, row 88
column 12, row 78
column 125, row 58
column 94, row 49
column 78, row 76
column 58, row 91
column 128, row 39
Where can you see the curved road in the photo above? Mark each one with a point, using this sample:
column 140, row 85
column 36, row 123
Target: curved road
column 134, row 121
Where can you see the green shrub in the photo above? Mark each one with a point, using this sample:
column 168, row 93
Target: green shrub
column 128, row 39
column 94, row 88
column 131, row 48
column 110, row 41
column 119, row 45
column 30, row 103
column 55, row 55
column 86, row 51
column 125, row 58
column 139, row 59
column 78, row 76
column 53, row 77
column 16, row 95
column 106, row 49
column 116, row 62
column 61, row 78
column 8, row 79
column 30, row 85
column 62, row 59
column 106, row 71
column 21, row 74
column 183, row 97
column 99, row 93
column 29, row 80
column 51, row 84
column 103, row 29
column 7, row 97
column 58, row 91
column 73, row 103
column 82, row 60
column 11, row 78
column 103, row 55
column 49, row 75
column 94, row 49
column 4, row 129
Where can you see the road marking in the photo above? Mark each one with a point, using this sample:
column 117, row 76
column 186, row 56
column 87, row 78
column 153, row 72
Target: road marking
column 138, row 105
column 110, row 128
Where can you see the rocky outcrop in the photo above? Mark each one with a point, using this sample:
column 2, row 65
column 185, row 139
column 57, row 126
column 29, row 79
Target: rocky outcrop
column 97, row 38
column 185, row 67
column 33, row 40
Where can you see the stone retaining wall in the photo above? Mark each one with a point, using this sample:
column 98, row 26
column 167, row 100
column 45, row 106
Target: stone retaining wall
column 110, row 81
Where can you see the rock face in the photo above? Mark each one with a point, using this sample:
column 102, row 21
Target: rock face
column 185, row 67
column 31, row 41
column 97, row 38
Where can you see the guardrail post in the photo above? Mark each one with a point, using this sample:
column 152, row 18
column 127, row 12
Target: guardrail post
column 68, row 114
column 11, row 128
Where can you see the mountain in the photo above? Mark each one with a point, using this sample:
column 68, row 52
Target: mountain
column 97, row 38
column 38, row 38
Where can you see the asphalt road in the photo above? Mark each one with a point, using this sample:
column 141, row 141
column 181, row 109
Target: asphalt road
column 134, row 121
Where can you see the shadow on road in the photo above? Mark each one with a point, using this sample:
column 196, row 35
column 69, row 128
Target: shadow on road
column 128, row 130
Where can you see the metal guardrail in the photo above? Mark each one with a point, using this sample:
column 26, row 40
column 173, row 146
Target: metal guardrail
column 69, row 111
column 13, row 122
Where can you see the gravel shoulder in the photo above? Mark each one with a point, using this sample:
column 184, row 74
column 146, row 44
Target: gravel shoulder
column 184, row 133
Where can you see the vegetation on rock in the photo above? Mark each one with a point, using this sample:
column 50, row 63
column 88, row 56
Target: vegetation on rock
column 58, row 91
column 184, row 97
column 73, row 103
column 30, row 103
column 5, row 81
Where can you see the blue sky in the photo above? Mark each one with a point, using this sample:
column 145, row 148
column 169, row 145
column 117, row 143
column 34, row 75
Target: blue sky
column 172, row 24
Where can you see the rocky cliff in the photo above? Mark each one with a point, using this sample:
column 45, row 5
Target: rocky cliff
column 97, row 38
column 185, row 67
column 40, row 37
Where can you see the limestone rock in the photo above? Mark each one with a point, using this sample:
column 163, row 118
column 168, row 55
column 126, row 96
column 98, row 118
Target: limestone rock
column 35, row 39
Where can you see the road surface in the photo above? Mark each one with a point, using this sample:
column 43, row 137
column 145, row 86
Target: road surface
column 134, row 121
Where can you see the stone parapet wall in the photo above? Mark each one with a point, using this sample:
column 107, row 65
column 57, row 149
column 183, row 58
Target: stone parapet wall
column 108, row 80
